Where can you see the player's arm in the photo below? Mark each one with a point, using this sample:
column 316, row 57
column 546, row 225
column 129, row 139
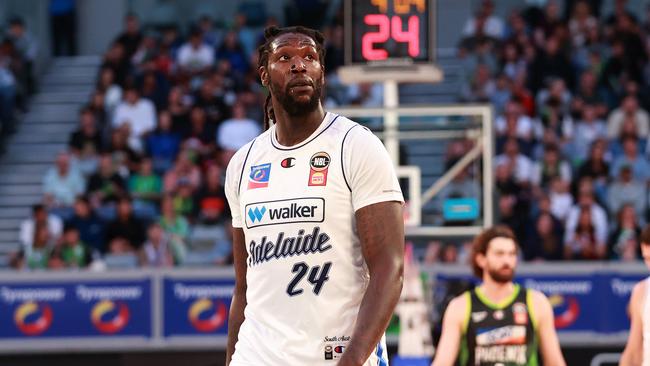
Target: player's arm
column 632, row 355
column 236, row 316
column 381, row 231
column 549, row 343
column 452, row 330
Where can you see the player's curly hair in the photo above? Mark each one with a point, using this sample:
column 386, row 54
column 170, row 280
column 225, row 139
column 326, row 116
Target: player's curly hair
column 270, row 34
column 482, row 241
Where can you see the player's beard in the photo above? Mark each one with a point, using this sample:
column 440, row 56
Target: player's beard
column 502, row 275
column 292, row 106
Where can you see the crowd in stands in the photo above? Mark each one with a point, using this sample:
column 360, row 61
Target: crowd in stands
column 571, row 92
column 141, row 183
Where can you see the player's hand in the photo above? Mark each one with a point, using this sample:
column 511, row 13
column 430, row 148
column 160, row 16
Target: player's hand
column 348, row 361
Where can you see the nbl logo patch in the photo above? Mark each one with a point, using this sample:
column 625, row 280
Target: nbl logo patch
column 318, row 165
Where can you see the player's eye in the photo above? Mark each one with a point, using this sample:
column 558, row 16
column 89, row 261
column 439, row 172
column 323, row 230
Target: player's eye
column 310, row 57
column 283, row 58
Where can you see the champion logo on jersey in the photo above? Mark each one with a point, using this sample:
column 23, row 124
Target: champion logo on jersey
column 318, row 165
column 288, row 162
column 259, row 177
column 285, row 211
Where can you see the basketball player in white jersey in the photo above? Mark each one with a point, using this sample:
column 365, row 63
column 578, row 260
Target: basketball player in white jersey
column 318, row 230
column 637, row 350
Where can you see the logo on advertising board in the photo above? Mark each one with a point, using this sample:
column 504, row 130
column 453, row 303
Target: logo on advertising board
column 33, row 318
column 563, row 296
column 110, row 317
column 207, row 315
column 287, row 211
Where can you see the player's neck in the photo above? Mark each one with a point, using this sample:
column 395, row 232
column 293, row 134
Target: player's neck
column 292, row 130
column 496, row 291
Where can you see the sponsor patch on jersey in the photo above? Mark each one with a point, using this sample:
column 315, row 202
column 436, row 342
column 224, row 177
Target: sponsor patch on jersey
column 259, row 176
column 318, row 164
column 511, row 334
column 287, row 211
column 335, row 346
column 520, row 313
column 479, row 316
column 501, row 355
column 288, row 162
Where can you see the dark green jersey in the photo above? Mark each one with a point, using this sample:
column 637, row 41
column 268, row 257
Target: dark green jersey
column 499, row 334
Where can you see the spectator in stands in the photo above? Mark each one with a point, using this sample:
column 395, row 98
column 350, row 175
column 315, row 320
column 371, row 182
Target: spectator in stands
column 124, row 157
column 112, row 91
column 501, row 95
column 8, row 90
column 232, row 51
column 211, row 36
column 177, row 104
column 105, row 186
column 171, row 222
column 627, row 191
column 211, row 206
column 597, row 221
column 117, row 60
column 88, row 224
column 156, row 251
column 74, row 252
column 587, row 130
column 162, row 145
column 551, row 62
column 131, row 37
column 560, row 198
column 36, row 256
column 85, row 143
column 484, row 23
column 514, row 124
column 551, row 166
column 557, row 94
column 145, row 186
column 587, row 93
column 154, row 87
column 126, row 232
column 583, row 243
column 481, row 87
column 63, row 23
column 195, row 57
column 628, row 130
column 237, row 131
column 27, row 48
column 200, row 133
column 623, row 243
column 581, row 22
column 138, row 113
column 629, row 109
column 54, row 259
column 98, row 108
column 596, row 168
column 520, row 165
column 39, row 219
column 61, row 184
column 544, row 239
column 184, row 173
column 632, row 158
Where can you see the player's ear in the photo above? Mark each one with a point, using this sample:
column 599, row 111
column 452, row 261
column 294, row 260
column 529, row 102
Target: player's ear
column 480, row 260
column 264, row 75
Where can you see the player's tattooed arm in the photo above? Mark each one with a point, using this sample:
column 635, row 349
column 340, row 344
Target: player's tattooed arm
column 381, row 231
column 236, row 316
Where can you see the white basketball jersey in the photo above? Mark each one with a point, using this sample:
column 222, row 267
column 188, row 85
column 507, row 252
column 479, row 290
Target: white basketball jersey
column 645, row 318
column 306, row 274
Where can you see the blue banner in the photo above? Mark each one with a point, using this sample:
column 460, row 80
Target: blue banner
column 196, row 307
column 75, row 309
column 588, row 302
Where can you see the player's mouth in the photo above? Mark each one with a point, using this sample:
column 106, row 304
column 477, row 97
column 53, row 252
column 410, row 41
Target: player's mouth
column 300, row 85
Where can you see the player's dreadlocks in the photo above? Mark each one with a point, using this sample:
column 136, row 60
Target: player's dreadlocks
column 270, row 34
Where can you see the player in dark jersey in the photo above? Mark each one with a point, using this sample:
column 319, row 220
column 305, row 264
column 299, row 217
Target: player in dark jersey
column 499, row 323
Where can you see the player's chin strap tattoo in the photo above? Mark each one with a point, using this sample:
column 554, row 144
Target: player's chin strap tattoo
column 270, row 34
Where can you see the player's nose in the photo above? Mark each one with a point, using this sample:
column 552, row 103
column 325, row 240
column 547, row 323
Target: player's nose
column 298, row 65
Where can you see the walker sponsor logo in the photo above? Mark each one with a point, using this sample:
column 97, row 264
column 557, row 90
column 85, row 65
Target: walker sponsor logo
column 10, row 295
column 289, row 211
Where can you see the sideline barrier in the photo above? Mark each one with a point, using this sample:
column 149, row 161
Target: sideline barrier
column 187, row 309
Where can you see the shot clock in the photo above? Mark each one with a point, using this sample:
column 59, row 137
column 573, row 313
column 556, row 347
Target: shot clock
column 389, row 32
